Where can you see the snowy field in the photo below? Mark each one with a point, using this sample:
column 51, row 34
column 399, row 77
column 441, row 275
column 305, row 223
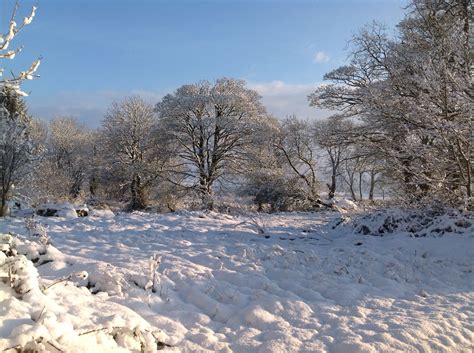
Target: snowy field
column 269, row 283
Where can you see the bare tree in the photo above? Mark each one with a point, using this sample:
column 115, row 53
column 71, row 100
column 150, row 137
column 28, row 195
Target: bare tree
column 210, row 128
column 332, row 135
column 66, row 163
column 414, row 98
column 350, row 168
column 297, row 144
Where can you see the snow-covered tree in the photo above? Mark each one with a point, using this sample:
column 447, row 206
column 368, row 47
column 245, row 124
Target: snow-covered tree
column 333, row 137
column 362, row 171
column 7, row 53
column 268, row 178
column 210, row 127
column 17, row 148
column 66, row 162
column 276, row 187
column 132, row 154
column 297, row 144
column 413, row 95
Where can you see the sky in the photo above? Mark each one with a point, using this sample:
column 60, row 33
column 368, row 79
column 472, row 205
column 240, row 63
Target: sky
column 99, row 51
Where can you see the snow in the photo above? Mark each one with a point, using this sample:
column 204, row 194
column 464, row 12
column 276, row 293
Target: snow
column 291, row 282
column 345, row 205
column 101, row 213
column 65, row 210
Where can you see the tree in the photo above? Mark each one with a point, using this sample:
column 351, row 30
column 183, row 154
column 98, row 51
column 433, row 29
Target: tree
column 332, row 136
column 66, row 163
column 131, row 150
column 351, row 167
column 297, row 145
column 279, row 190
column 17, row 149
column 268, row 178
column 362, row 163
column 14, row 81
column 413, row 96
column 210, row 128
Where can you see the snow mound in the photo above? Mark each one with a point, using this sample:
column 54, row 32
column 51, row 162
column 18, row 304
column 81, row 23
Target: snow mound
column 414, row 222
column 55, row 316
column 345, row 205
column 103, row 213
column 65, row 210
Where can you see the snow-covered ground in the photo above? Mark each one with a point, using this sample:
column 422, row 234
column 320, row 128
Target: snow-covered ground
column 267, row 283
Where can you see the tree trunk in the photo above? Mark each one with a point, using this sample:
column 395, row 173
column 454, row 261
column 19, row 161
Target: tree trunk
column 93, row 183
column 138, row 200
column 3, row 207
column 75, row 189
column 350, row 182
column 4, row 200
column 372, row 185
column 332, row 187
column 205, row 189
column 361, row 174
column 353, row 195
column 207, row 199
column 470, row 200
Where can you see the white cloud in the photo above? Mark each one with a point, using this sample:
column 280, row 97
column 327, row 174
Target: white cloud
column 277, row 88
column 280, row 98
column 285, row 99
column 321, row 57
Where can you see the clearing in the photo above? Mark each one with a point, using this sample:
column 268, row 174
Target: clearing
column 239, row 283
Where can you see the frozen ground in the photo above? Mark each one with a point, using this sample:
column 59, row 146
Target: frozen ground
column 274, row 283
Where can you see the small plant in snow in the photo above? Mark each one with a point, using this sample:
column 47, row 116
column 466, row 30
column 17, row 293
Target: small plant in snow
column 37, row 230
column 82, row 275
column 39, row 344
column 16, row 270
column 7, row 246
column 153, row 279
column 22, row 274
column 257, row 221
column 147, row 340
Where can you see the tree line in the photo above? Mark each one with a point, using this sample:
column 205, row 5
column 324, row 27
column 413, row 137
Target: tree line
column 402, row 127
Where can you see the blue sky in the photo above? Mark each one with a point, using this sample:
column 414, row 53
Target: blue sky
column 97, row 51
